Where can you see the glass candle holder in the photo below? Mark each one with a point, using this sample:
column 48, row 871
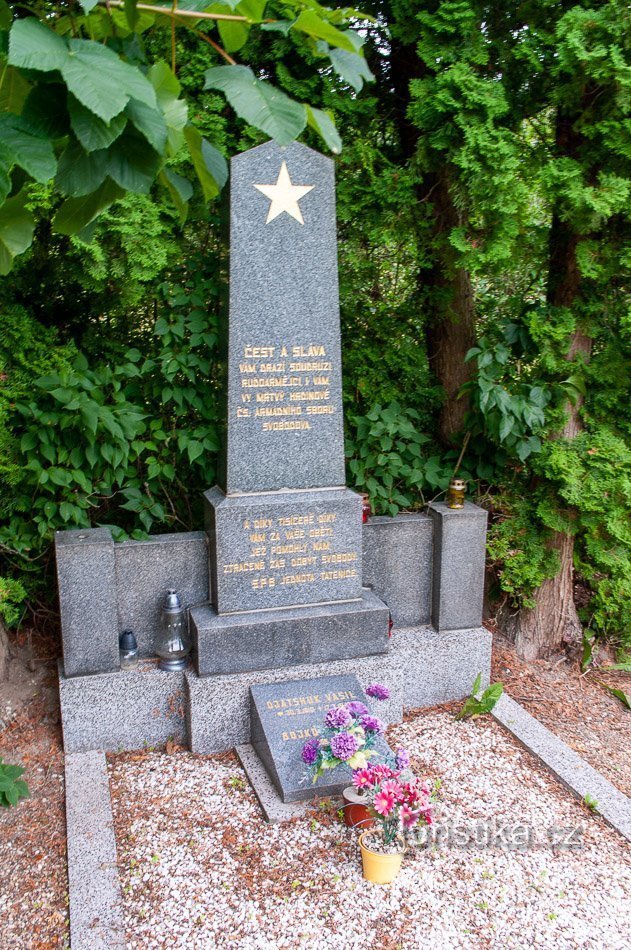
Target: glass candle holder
column 455, row 493
column 128, row 650
column 173, row 643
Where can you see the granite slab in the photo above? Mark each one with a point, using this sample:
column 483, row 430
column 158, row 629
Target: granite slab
column 285, row 425
column 283, row 549
column 284, row 715
column 397, row 565
column 87, row 600
column 273, row 639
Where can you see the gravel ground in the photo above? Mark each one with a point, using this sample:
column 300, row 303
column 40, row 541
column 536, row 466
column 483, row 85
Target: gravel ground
column 200, row 868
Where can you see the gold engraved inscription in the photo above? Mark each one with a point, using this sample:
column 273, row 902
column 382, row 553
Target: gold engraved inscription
column 285, row 388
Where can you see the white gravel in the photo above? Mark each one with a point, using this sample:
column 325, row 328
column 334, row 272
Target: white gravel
column 201, row 869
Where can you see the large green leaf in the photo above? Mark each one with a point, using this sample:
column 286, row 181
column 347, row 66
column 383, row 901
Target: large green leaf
column 325, row 127
column 150, row 122
column 80, row 172
column 210, row 165
column 352, row 67
column 234, row 34
column 310, row 23
column 102, row 82
column 13, row 90
column 6, row 161
column 175, row 111
column 132, row 163
column 88, row 5
column 45, row 110
column 33, row 46
column 76, row 213
column 260, row 104
column 35, row 155
column 92, row 132
column 16, row 230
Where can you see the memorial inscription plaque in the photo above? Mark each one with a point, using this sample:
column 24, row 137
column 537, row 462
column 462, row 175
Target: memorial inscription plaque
column 284, row 716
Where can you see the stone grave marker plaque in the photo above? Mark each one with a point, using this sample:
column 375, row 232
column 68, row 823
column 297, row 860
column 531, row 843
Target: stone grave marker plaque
column 283, row 716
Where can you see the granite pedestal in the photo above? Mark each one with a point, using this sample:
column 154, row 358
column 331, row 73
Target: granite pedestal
column 236, row 643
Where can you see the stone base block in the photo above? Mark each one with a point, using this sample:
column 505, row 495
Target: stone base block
column 219, row 706
column 240, row 643
column 128, row 709
column 441, row 667
column 283, row 549
column 397, row 565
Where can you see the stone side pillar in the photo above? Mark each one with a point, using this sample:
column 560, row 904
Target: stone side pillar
column 87, row 596
column 458, row 574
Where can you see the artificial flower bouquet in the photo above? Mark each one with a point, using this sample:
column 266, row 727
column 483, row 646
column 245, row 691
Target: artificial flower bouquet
column 396, row 799
column 348, row 737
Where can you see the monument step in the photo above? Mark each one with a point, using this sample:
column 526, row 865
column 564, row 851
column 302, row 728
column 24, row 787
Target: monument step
column 271, row 639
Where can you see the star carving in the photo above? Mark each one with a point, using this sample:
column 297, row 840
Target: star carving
column 284, row 196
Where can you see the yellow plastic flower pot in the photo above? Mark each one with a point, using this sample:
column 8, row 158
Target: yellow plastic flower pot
column 380, row 868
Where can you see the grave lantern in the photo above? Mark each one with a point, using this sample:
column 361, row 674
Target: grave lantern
column 173, row 643
column 455, row 493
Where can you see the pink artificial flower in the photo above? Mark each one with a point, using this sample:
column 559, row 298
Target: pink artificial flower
column 409, row 817
column 380, row 772
column 391, row 787
column 362, row 778
column 383, row 803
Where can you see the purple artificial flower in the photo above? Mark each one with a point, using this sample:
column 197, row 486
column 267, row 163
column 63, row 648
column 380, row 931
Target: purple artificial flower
column 401, row 760
column 357, row 709
column 372, row 724
column 344, row 746
column 338, row 717
column 378, row 691
column 310, row 751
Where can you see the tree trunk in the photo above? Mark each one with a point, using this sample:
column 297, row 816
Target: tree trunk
column 450, row 330
column 553, row 620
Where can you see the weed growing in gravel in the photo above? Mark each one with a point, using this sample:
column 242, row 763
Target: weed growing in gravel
column 12, row 787
column 591, row 802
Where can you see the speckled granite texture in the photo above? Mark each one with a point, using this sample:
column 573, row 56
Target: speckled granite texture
column 284, row 549
column 283, row 301
column 459, row 553
column 397, row 564
column 275, row 639
column 87, row 597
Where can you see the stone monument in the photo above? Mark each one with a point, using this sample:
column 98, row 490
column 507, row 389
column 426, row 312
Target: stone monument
column 287, row 591
column 285, row 533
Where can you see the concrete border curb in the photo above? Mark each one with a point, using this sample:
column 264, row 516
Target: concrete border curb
column 96, row 906
column 567, row 765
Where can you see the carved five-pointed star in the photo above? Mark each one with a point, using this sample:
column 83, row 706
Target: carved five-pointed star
column 284, row 196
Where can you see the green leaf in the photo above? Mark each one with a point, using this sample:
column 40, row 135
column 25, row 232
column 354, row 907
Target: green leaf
column 80, row 172
column 102, row 82
column 88, row 5
column 179, row 188
column 150, row 122
column 619, row 694
column 76, row 213
column 33, row 46
column 5, row 15
column 132, row 163
column 131, row 13
column 260, row 104
column 92, row 132
column 16, row 230
column 352, row 67
column 310, row 23
column 13, row 91
column 210, row 165
column 35, row 155
column 175, row 111
column 325, row 127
